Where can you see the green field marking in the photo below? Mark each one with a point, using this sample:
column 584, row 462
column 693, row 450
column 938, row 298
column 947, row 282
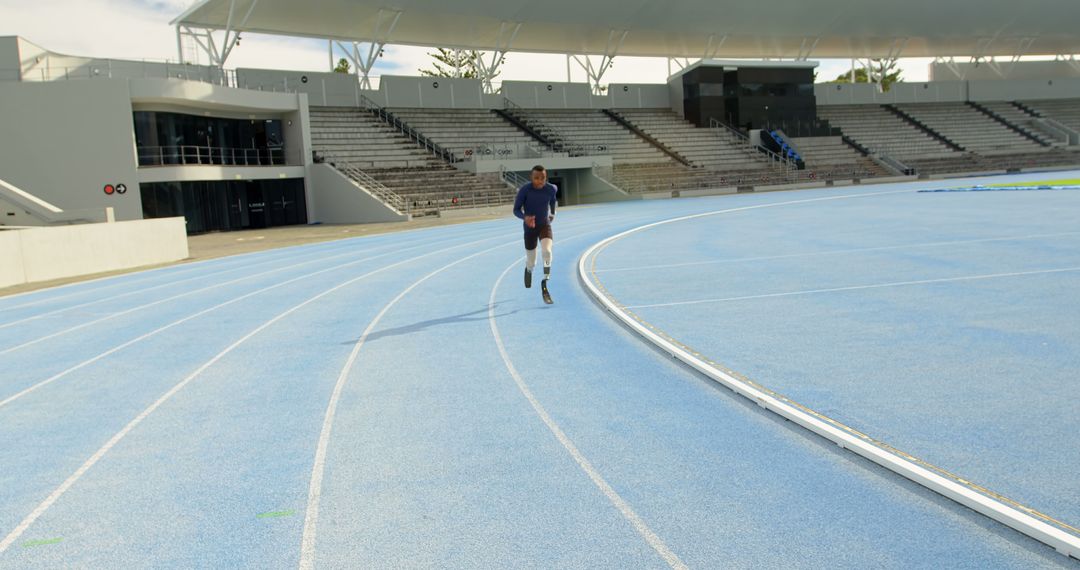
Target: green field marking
column 1037, row 184
column 275, row 514
column 42, row 542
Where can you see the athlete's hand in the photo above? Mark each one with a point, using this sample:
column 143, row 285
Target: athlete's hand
column 551, row 218
column 530, row 221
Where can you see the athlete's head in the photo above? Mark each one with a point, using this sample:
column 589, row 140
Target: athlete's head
column 539, row 176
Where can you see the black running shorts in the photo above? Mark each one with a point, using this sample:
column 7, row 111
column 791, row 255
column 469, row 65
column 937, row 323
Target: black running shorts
column 533, row 235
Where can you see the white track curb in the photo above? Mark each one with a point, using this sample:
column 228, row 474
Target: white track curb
column 1064, row 542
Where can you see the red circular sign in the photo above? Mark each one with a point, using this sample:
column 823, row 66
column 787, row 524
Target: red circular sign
column 109, row 189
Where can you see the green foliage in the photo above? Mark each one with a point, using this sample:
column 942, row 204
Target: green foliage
column 457, row 63
column 879, row 68
column 343, row 66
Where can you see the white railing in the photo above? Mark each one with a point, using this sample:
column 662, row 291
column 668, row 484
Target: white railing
column 186, row 155
column 512, row 179
column 374, row 187
column 775, row 160
column 560, row 142
column 47, row 212
column 405, row 129
column 122, row 69
column 1059, row 129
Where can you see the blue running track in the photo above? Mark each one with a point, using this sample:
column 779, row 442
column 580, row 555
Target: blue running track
column 402, row 401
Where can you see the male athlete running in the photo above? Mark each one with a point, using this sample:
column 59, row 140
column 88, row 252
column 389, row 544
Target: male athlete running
column 535, row 204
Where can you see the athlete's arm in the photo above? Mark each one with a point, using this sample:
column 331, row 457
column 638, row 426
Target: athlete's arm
column 554, row 202
column 519, row 204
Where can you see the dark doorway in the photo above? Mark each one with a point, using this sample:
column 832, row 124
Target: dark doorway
column 220, row 205
column 256, row 205
column 559, row 183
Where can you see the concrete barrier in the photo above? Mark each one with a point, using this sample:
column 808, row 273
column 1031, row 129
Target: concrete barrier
column 42, row 254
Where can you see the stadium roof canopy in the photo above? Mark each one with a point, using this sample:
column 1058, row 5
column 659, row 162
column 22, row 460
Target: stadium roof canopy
column 671, row 28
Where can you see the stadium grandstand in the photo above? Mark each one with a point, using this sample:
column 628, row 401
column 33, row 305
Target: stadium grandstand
column 124, row 160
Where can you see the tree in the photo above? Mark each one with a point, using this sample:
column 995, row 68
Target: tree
column 343, row 66
column 454, row 63
column 882, row 71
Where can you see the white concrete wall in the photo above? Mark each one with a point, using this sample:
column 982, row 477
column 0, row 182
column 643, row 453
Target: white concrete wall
column 1024, row 90
column 1023, row 70
column 200, row 97
column 12, row 214
column 947, row 91
column 69, row 251
column 322, row 89
column 865, row 93
column 9, row 59
column 548, row 95
column 338, row 200
column 64, row 141
column 639, row 96
column 40, row 64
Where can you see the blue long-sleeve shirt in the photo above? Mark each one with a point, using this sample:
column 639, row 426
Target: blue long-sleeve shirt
column 539, row 202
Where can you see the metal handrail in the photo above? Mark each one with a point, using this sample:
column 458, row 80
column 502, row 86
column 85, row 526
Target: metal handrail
column 512, row 179
column 183, row 155
column 895, row 164
column 124, row 69
column 559, row 141
column 777, row 160
column 373, row 186
column 435, row 203
column 404, row 128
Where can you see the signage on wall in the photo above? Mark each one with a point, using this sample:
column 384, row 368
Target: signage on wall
column 111, row 189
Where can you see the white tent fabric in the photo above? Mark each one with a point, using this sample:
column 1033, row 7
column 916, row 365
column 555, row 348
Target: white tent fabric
column 672, row 28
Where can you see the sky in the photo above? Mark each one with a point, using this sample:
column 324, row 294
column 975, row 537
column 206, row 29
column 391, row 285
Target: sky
column 139, row 29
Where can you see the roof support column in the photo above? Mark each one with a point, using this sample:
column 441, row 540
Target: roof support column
column 596, row 73
column 808, row 46
column 489, row 69
column 363, row 59
column 204, row 37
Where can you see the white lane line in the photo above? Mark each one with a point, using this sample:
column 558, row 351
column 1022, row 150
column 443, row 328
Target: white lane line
column 276, row 259
column 56, row 494
column 859, row 287
column 623, row 507
column 136, row 292
column 162, row 301
column 311, row 517
column 838, row 252
column 129, row 343
column 134, row 278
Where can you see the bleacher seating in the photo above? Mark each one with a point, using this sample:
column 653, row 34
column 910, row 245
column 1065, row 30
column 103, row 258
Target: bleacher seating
column 358, row 138
column 462, row 131
column 717, row 157
column 879, row 130
column 598, row 134
column 708, row 148
column 832, row 154
column 970, row 128
column 1023, row 121
column 1065, row 111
